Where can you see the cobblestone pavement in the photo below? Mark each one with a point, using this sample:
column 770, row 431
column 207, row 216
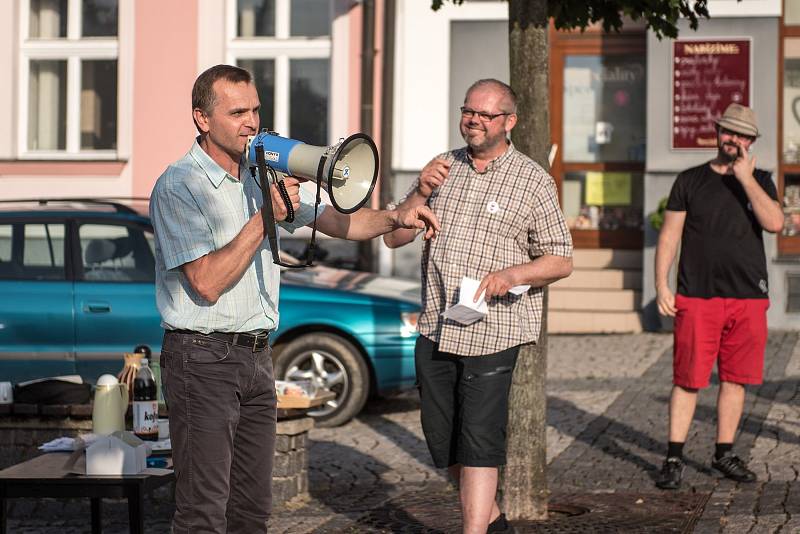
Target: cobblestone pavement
column 607, row 410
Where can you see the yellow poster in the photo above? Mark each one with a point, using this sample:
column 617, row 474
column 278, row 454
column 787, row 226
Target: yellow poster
column 608, row 188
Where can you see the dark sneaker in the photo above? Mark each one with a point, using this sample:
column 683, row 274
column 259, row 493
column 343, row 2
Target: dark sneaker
column 501, row 525
column 671, row 474
column 733, row 467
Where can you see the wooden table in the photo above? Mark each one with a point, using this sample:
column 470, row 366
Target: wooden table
column 44, row 476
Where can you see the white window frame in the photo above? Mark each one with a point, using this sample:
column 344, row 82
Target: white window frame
column 281, row 48
column 73, row 49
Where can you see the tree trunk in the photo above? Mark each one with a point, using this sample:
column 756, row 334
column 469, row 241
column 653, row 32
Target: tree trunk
column 524, row 484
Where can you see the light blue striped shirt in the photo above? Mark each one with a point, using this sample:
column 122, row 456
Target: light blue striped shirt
column 196, row 208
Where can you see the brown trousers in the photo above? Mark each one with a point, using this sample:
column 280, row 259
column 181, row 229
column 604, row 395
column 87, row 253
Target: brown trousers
column 222, row 420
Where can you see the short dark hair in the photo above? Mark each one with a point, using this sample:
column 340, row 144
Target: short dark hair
column 203, row 96
column 508, row 93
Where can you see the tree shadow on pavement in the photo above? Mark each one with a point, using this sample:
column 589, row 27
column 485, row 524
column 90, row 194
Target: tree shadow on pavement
column 349, row 483
column 601, row 433
column 751, row 423
column 604, row 434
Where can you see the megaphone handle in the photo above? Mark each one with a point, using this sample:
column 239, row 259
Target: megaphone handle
column 267, row 216
column 286, row 200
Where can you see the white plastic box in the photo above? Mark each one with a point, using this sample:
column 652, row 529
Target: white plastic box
column 121, row 453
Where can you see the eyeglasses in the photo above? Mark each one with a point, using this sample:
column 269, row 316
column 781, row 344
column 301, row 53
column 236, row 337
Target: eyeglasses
column 482, row 115
column 725, row 131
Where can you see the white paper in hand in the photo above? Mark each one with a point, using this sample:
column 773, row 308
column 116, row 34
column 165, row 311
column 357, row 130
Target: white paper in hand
column 466, row 311
column 519, row 290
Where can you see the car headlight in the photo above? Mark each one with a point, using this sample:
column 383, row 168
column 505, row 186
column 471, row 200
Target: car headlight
column 409, row 320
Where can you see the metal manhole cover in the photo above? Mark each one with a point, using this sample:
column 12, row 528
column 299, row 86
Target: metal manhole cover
column 629, row 512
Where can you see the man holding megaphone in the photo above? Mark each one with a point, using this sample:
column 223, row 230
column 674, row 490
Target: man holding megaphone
column 217, row 292
column 503, row 229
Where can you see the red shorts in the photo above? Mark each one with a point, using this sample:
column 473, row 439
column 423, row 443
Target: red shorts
column 732, row 332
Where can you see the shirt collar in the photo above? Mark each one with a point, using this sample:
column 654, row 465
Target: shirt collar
column 214, row 172
column 499, row 160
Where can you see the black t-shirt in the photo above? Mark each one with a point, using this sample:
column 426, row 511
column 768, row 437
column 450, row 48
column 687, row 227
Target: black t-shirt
column 722, row 250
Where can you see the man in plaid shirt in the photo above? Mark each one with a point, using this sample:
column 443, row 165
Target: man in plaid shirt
column 500, row 224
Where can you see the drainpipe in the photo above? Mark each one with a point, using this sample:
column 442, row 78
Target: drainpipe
column 387, row 194
column 366, row 249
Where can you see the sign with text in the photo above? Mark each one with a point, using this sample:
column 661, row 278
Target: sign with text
column 706, row 77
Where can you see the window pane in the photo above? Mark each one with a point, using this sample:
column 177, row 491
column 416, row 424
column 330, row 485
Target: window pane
column 791, row 101
column 310, row 18
column 99, row 18
column 791, row 14
column 99, row 104
column 41, row 256
column 604, row 108
column 255, row 18
column 263, row 71
column 791, row 204
column 47, row 106
column 5, row 243
column 603, row 200
column 114, row 253
column 48, row 19
column 308, row 120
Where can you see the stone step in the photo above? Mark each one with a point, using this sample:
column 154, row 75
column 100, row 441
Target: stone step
column 594, row 299
column 593, row 322
column 606, row 258
column 602, row 279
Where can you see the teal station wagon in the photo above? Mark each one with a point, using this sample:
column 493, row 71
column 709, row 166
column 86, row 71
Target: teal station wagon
column 77, row 292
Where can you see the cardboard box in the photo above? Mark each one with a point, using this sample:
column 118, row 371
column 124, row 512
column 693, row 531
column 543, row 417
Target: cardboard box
column 121, row 453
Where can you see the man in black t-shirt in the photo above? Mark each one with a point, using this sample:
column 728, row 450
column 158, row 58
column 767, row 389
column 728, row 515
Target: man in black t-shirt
column 717, row 212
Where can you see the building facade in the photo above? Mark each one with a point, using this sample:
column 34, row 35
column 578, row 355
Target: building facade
column 620, row 134
column 99, row 103
column 100, row 94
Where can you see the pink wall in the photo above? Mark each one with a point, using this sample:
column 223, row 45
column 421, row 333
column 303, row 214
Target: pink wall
column 165, row 66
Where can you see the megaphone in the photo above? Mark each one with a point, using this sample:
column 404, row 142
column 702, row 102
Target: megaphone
column 347, row 171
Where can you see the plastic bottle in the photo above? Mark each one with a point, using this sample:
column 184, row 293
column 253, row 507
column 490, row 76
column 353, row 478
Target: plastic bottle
column 145, row 403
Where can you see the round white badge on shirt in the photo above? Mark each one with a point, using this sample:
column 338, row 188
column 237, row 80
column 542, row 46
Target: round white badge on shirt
column 492, row 207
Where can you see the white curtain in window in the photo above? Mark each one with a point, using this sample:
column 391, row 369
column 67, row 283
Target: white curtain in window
column 46, row 18
column 47, row 113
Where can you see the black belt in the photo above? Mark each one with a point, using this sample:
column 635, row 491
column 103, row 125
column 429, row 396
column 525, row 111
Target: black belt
column 256, row 342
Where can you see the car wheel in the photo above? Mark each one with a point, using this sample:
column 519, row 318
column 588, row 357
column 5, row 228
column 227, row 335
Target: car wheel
column 330, row 362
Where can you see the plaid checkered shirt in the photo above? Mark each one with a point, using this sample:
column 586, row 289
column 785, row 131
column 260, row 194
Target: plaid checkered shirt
column 491, row 220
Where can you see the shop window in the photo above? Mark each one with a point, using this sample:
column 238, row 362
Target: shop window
column 69, row 78
column 791, row 101
column 789, row 174
column 286, row 45
column 604, row 108
column 791, row 205
column 603, row 200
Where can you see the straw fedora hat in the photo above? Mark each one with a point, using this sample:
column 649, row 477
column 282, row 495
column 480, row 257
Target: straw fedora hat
column 740, row 119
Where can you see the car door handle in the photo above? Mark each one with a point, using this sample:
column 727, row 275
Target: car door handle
column 94, row 306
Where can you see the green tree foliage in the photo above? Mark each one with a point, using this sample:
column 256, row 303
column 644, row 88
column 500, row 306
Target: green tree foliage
column 660, row 16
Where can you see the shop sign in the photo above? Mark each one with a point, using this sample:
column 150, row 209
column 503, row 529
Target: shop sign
column 707, row 75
